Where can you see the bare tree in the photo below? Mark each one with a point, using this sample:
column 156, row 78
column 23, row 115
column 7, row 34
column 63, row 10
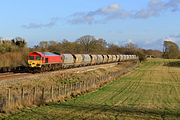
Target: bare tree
column 87, row 42
column 92, row 45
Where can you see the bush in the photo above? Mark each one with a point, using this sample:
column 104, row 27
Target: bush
column 13, row 59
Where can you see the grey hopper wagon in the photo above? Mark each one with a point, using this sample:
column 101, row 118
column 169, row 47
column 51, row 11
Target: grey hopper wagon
column 117, row 58
column 68, row 60
column 99, row 59
column 78, row 60
column 114, row 58
column 121, row 58
column 93, row 59
column 110, row 58
column 86, row 59
column 105, row 58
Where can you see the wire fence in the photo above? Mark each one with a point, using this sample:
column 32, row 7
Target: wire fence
column 11, row 99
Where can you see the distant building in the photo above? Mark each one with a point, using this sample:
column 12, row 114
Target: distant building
column 150, row 56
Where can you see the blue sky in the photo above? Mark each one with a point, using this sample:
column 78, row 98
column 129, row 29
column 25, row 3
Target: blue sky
column 146, row 23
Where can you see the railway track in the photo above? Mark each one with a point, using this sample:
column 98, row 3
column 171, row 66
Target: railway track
column 12, row 75
column 22, row 76
column 3, row 74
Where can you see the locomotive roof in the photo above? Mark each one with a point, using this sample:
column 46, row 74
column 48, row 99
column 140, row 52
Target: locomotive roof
column 49, row 54
column 46, row 53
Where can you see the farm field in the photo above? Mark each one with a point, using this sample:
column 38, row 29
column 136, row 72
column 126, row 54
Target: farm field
column 151, row 91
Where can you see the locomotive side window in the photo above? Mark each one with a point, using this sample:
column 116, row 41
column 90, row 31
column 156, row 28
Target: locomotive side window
column 38, row 58
column 46, row 60
column 31, row 57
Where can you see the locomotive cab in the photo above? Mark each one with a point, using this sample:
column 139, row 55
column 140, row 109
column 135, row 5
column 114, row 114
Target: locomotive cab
column 35, row 59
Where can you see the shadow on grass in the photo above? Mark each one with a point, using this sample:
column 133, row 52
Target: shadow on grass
column 134, row 111
column 173, row 64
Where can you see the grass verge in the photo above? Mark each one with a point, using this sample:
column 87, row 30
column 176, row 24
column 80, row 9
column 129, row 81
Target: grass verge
column 149, row 92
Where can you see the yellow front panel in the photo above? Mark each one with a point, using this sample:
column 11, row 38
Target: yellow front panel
column 34, row 63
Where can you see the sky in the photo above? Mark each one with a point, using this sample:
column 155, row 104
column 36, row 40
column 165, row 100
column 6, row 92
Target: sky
column 146, row 23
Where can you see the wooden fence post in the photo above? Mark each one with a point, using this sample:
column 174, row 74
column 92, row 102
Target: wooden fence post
column 80, row 86
column 83, row 86
column 94, row 83
column 34, row 94
column 52, row 93
column 64, row 89
column 90, row 85
column 71, row 87
column 86, row 84
column 76, row 86
column 9, row 96
column 59, row 90
column 67, row 89
column 22, row 93
column 42, row 97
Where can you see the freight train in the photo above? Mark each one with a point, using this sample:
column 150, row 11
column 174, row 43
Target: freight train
column 47, row 61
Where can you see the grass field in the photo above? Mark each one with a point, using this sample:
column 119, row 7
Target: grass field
column 151, row 91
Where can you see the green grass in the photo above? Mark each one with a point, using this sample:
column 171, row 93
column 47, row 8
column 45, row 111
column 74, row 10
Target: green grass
column 152, row 91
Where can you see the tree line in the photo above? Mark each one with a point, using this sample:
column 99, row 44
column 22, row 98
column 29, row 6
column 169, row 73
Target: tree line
column 88, row 44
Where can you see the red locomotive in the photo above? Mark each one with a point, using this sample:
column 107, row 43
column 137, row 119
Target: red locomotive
column 44, row 60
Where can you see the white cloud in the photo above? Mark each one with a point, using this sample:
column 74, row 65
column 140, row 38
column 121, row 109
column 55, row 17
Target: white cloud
column 169, row 39
column 90, row 17
column 111, row 8
column 114, row 11
column 51, row 23
column 155, row 7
